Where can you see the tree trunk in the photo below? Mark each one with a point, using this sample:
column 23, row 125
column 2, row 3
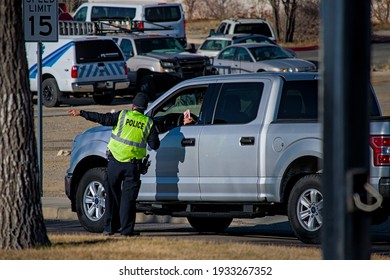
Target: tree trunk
column 21, row 216
column 290, row 7
column 275, row 4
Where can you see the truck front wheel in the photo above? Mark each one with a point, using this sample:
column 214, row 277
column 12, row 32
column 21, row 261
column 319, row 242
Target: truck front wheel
column 305, row 206
column 209, row 224
column 50, row 93
column 90, row 200
column 148, row 86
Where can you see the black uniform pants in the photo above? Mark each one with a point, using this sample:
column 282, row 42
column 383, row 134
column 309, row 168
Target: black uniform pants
column 123, row 184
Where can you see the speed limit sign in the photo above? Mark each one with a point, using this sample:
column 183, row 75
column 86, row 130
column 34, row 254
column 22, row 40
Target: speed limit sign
column 40, row 20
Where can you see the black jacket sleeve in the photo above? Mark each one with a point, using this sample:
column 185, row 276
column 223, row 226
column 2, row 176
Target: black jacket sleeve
column 107, row 119
column 153, row 140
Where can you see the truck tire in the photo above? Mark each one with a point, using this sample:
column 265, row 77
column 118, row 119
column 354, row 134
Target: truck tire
column 104, row 99
column 304, row 208
column 50, row 93
column 90, row 200
column 209, row 224
column 148, row 86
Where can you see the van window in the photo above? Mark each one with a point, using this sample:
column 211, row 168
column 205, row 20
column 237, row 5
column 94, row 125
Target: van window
column 238, row 103
column 97, row 51
column 112, row 13
column 163, row 14
column 81, row 14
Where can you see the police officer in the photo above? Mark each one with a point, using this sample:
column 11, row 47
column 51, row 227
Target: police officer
column 131, row 132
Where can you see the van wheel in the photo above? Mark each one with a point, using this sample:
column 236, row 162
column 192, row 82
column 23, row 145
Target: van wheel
column 305, row 209
column 148, row 86
column 104, row 99
column 90, row 200
column 209, row 224
column 50, row 93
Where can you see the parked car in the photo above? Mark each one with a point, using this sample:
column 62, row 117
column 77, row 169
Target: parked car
column 258, row 57
column 214, row 44
column 247, row 26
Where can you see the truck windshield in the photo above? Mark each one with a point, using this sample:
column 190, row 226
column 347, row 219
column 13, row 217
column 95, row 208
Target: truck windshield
column 158, row 45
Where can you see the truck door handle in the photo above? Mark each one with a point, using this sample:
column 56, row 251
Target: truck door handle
column 246, row 141
column 100, row 64
column 188, row 142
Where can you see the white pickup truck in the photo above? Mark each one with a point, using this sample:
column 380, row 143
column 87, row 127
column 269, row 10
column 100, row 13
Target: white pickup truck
column 255, row 150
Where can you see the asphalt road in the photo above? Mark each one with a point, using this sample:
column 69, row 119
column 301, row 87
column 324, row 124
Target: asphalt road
column 380, row 54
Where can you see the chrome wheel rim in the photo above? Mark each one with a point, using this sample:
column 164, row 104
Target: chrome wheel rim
column 94, row 201
column 309, row 210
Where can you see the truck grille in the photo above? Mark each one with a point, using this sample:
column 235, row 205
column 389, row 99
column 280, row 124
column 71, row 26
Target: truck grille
column 192, row 67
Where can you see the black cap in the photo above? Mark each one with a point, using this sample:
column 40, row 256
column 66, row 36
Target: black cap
column 141, row 101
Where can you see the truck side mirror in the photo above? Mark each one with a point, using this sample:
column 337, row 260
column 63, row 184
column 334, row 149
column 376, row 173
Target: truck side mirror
column 192, row 48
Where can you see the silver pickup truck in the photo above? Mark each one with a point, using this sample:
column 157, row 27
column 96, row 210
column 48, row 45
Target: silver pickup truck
column 255, row 150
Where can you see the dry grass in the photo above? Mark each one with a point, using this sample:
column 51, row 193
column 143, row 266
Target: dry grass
column 94, row 247
column 90, row 247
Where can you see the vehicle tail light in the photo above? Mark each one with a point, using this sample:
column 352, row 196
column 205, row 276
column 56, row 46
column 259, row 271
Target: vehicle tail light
column 74, row 73
column 140, row 25
column 381, row 149
column 126, row 69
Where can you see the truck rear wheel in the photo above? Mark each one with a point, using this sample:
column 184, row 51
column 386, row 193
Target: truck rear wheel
column 209, row 224
column 104, row 99
column 50, row 93
column 90, row 200
column 305, row 206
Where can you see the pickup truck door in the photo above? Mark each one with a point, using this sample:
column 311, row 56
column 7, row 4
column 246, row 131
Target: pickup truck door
column 229, row 146
column 174, row 173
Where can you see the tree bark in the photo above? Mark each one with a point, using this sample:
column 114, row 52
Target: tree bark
column 290, row 7
column 21, row 216
column 275, row 4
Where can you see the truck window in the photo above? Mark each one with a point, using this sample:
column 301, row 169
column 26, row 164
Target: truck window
column 299, row 100
column 238, row 103
column 97, row 51
column 168, row 114
column 127, row 48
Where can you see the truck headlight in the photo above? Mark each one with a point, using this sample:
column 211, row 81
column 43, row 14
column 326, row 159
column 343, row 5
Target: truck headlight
column 167, row 66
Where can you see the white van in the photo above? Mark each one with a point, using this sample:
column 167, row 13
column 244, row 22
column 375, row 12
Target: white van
column 149, row 17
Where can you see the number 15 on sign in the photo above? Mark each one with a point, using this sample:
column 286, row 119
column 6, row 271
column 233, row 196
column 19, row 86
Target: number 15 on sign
column 40, row 20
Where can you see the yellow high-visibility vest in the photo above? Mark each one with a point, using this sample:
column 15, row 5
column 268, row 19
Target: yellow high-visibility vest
column 128, row 137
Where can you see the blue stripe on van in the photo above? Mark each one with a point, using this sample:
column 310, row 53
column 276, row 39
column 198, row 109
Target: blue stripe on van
column 50, row 59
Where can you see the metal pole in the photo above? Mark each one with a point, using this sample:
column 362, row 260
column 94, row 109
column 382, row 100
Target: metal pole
column 39, row 105
column 345, row 70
